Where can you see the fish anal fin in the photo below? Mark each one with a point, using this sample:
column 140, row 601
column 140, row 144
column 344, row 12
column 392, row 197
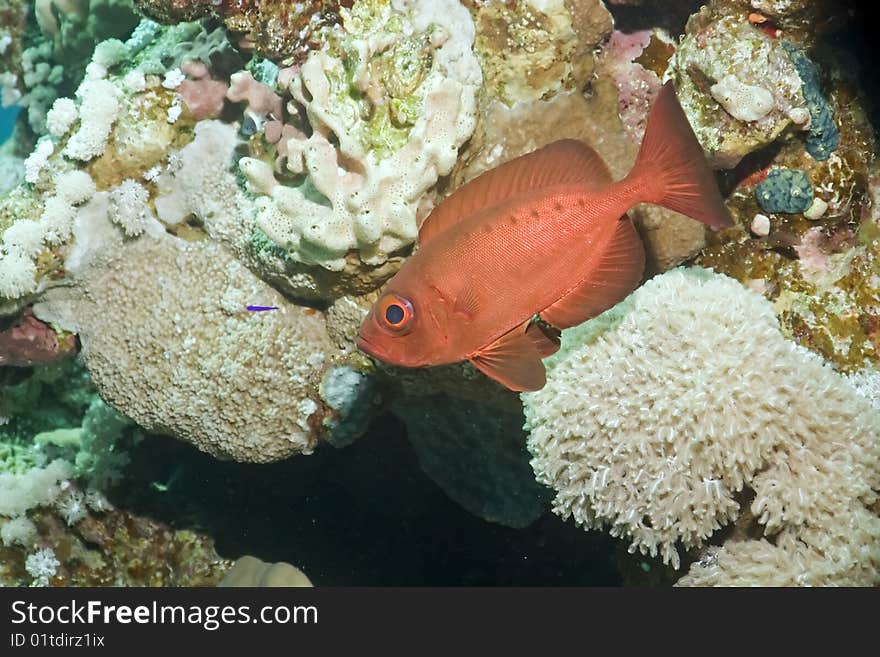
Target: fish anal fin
column 514, row 359
column 564, row 162
column 616, row 275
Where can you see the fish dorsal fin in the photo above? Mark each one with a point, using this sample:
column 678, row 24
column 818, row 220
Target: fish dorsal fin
column 616, row 275
column 564, row 162
column 514, row 359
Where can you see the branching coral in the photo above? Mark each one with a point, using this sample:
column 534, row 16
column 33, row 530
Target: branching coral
column 396, row 91
column 671, row 414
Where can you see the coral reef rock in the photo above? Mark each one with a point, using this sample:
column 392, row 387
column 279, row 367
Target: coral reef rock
column 738, row 85
column 111, row 548
column 30, row 341
column 533, row 50
column 477, row 458
column 280, row 30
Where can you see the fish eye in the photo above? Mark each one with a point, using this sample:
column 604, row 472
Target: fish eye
column 396, row 313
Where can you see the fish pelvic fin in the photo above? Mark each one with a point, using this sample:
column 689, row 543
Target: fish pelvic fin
column 671, row 169
column 566, row 161
column 618, row 273
column 514, row 359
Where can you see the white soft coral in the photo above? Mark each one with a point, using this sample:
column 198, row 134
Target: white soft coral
column 41, row 565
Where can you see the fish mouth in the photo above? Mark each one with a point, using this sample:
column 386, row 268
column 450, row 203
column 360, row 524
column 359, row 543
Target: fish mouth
column 368, row 348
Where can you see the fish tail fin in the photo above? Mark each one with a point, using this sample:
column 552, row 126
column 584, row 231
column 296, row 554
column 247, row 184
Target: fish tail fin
column 671, row 170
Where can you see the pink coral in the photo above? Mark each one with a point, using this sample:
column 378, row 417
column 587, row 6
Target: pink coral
column 261, row 99
column 29, row 342
column 279, row 133
column 817, row 246
column 203, row 95
column 636, row 86
column 263, row 104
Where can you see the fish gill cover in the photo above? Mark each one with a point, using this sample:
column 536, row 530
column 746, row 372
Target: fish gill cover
column 177, row 164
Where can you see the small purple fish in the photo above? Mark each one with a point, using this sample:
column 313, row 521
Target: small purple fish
column 259, row 309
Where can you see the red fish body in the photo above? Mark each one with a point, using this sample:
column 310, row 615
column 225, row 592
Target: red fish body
column 545, row 234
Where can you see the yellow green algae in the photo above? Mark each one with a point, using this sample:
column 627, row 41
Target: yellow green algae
column 401, row 71
column 656, row 55
column 528, row 54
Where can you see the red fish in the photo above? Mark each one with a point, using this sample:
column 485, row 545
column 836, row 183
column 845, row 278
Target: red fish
column 545, row 234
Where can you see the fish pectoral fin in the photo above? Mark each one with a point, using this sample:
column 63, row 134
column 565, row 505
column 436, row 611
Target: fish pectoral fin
column 467, row 303
column 514, row 359
column 617, row 273
column 564, row 162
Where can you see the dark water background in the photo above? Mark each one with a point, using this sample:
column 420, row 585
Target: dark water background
column 362, row 515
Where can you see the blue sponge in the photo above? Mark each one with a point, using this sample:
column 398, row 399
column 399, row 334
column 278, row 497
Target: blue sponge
column 785, row 190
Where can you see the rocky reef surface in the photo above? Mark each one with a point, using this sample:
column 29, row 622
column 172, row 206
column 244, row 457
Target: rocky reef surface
column 202, row 200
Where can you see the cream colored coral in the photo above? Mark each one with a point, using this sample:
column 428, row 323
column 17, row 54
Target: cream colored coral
column 356, row 198
column 659, row 412
column 842, row 550
column 168, row 340
column 251, row 571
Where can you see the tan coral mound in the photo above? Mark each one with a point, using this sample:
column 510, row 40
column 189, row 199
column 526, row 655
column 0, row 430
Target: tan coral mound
column 662, row 414
column 169, row 342
column 251, row 571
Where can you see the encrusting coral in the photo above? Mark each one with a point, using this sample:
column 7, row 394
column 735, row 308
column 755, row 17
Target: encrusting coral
column 180, row 353
column 29, row 341
column 684, row 408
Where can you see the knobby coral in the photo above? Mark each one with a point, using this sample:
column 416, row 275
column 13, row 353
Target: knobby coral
column 169, row 341
column 683, row 408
